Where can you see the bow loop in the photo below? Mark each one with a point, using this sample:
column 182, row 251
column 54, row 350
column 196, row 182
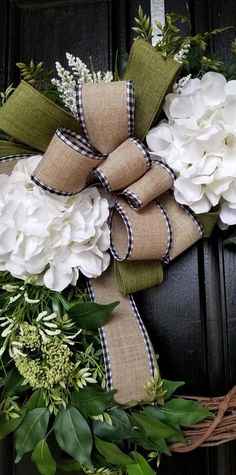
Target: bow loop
column 106, row 113
column 124, row 166
column 66, row 164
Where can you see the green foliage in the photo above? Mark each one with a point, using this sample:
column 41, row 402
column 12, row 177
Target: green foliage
column 143, row 29
column 69, row 465
column 43, row 459
column 153, row 428
column 90, row 315
column 92, row 400
column 9, row 426
column 35, row 75
column 170, row 387
column 140, row 467
column 155, row 387
column 120, row 429
column 73, row 435
column 31, row 431
column 180, row 411
column 36, row 400
column 231, row 240
column 186, row 49
column 14, row 384
column 112, row 453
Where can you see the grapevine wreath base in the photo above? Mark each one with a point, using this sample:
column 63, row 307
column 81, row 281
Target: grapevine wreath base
column 220, row 430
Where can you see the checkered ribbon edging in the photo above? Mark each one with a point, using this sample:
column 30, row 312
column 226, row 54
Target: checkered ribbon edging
column 128, row 226
column 105, row 352
column 130, row 101
column 144, row 334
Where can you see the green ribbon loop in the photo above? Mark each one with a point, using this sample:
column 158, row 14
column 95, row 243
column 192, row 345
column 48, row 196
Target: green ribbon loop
column 153, row 78
column 133, row 276
column 14, row 148
column 31, row 118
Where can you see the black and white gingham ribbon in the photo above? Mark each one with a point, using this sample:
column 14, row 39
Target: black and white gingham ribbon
column 105, row 351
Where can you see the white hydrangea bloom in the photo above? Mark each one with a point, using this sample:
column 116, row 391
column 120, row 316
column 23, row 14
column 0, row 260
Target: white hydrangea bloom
column 198, row 141
column 69, row 79
column 72, row 235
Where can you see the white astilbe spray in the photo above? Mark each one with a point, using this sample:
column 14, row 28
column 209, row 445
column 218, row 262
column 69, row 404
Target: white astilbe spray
column 182, row 53
column 68, row 80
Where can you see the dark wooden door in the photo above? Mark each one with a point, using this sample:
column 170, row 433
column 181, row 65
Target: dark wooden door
column 191, row 317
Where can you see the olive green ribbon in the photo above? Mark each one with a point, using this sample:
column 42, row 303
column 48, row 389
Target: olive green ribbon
column 31, row 118
column 153, row 76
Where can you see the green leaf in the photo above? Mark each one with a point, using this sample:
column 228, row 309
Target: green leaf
column 170, row 387
column 43, row 459
column 90, row 315
column 69, row 465
column 36, row 400
column 73, row 435
column 92, row 400
column 140, row 12
column 112, row 453
column 230, row 240
column 7, row 427
column 157, row 414
column 13, row 384
column 184, row 412
column 140, row 467
column 120, row 429
column 31, row 431
column 156, row 444
column 153, row 428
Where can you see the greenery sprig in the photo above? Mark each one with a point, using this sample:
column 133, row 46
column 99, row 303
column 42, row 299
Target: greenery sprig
column 189, row 50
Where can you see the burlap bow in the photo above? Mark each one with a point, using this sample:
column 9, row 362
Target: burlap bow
column 146, row 222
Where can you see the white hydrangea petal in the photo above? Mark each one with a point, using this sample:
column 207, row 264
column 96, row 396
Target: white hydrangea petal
column 228, row 214
column 230, row 88
column 189, row 190
column 230, row 193
column 159, row 139
column 57, row 280
column 201, row 206
column 7, row 241
column 213, row 88
column 229, row 111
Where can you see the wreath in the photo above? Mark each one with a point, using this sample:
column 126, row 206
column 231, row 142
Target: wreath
column 89, row 214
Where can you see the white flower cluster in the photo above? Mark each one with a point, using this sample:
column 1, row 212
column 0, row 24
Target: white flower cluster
column 50, row 237
column 199, row 143
column 182, row 53
column 78, row 73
